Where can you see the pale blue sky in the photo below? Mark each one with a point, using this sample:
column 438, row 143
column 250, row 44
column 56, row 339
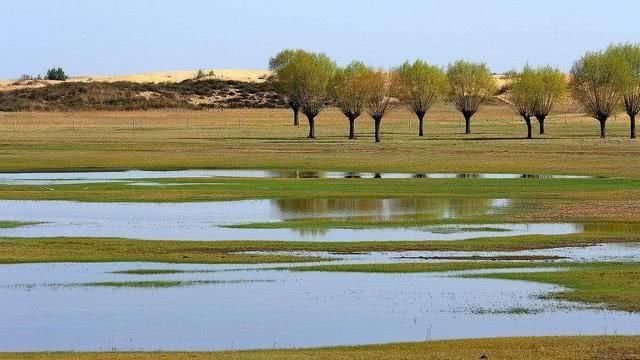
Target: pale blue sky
column 130, row 36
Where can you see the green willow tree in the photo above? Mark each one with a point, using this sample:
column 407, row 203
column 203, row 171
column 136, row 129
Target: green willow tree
column 596, row 82
column 630, row 83
column 422, row 85
column 285, row 80
column 348, row 90
column 524, row 95
column 315, row 72
column 552, row 87
column 470, row 84
column 382, row 88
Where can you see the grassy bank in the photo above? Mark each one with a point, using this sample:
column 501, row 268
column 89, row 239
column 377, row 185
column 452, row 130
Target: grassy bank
column 237, row 189
column 264, row 138
column 122, row 250
column 532, row 200
column 549, row 348
column 36, row 250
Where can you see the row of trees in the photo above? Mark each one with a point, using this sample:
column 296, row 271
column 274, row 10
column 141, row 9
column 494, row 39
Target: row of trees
column 310, row 81
column 603, row 81
column 599, row 81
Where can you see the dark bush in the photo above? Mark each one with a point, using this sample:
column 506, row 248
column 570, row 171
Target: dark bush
column 56, row 74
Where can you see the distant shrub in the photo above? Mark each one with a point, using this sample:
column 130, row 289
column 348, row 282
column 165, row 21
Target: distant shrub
column 56, row 74
column 29, row 77
column 201, row 74
column 504, row 88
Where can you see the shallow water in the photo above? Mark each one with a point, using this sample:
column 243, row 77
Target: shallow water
column 291, row 309
column 628, row 252
column 111, row 176
column 209, row 220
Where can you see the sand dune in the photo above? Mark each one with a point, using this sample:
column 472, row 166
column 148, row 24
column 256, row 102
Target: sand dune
column 176, row 76
column 156, row 77
column 246, row 75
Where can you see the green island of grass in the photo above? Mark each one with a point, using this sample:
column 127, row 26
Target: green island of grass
column 548, row 348
column 15, row 224
column 61, row 249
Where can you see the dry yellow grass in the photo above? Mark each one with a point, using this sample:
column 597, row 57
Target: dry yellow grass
column 265, row 139
column 548, row 348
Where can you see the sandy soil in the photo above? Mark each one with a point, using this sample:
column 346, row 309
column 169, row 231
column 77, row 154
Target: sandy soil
column 159, row 76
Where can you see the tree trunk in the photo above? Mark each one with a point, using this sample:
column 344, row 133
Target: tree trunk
column 352, row 127
column 527, row 120
column 632, row 118
column 541, row 123
column 603, row 122
column 296, row 117
column 312, row 127
column 420, row 124
column 377, row 122
column 467, row 123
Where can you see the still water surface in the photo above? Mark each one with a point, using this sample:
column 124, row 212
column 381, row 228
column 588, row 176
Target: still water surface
column 210, row 220
column 110, row 176
column 43, row 307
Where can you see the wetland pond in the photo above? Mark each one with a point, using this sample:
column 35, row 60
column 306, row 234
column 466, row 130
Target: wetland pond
column 87, row 307
column 92, row 307
column 215, row 220
column 60, row 178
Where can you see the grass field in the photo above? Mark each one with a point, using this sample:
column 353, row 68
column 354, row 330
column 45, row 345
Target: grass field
column 266, row 139
column 49, row 250
column 121, row 250
column 548, row 348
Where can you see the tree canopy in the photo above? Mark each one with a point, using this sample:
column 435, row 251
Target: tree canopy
column 630, row 81
column 535, row 91
column 382, row 89
column 422, row 85
column 596, row 83
column 470, row 84
column 525, row 91
column 349, row 91
column 285, row 79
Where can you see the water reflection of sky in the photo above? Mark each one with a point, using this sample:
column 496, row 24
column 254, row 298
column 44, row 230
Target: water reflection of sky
column 291, row 309
column 110, row 176
column 210, row 220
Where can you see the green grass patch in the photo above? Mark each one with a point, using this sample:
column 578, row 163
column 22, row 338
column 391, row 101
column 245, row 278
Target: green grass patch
column 372, row 223
column 511, row 311
column 45, row 250
column 548, row 348
column 39, row 250
column 157, row 272
column 163, row 283
column 427, row 267
column 274, row 188
column 15, row 224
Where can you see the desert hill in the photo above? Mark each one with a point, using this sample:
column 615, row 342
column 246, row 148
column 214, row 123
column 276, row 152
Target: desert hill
column 185, row 89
